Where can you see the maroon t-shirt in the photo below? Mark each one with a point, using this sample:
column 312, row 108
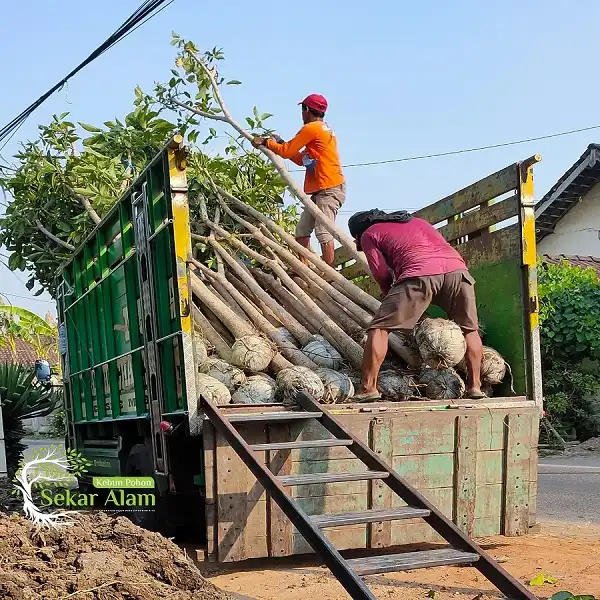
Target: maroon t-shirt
column 397, row 251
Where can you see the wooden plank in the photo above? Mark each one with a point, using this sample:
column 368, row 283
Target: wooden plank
column 320, row 505
column 380, row 533
column 241, row 502
column 426, row 470
column 330, row 489
column 487, row 527
column 486, row 189
column 533, row 468
column 340, row 519
column 343, row 538
column 483, row 218
column 490, row 467
column 335, row 465
column 407, row 561
column 491, row 431
column 413, row 533
column 466, row 471
column 489, row 503
column 428, row 433
column 280, row 463
column 495, row 247
column 442, row 498
column 311, row 478
column 210, row 494
column 516, row 515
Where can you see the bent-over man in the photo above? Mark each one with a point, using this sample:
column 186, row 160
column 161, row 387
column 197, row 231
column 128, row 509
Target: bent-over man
column 415, row 267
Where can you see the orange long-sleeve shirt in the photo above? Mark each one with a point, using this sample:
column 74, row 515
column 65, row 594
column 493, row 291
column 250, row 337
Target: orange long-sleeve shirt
column 320, row 144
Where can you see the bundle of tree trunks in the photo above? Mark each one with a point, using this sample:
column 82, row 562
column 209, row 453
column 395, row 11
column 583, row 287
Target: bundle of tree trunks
column 271, row 318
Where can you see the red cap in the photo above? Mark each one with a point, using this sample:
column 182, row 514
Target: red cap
column 316, row 102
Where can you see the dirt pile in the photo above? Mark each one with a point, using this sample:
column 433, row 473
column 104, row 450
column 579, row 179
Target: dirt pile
column 100, row 558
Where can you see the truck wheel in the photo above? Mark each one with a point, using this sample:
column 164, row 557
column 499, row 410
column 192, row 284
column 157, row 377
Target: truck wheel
column 139, row 463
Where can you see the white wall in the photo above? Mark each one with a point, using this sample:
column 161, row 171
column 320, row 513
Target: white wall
column 578, row 231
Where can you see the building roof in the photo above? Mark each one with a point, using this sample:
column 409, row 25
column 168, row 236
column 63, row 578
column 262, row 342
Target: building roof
column 574, row 260
column 25, row 354
column 567, row 191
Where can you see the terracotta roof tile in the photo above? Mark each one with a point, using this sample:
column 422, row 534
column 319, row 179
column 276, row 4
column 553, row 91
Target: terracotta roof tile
column 25, row 354
column 575, row 260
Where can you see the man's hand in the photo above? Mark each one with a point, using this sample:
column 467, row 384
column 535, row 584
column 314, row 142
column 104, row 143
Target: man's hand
column 257, row 142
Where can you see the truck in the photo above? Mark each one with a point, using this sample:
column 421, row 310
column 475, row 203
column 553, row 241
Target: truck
column 127, row 354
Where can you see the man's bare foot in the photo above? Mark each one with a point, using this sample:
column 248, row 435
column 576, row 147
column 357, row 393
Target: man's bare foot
column 475, row 394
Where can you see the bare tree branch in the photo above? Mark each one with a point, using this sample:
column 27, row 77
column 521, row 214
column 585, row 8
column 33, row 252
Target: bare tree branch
column 52, row 237
column 89, row 209
column 197, row 111
column 279, row 164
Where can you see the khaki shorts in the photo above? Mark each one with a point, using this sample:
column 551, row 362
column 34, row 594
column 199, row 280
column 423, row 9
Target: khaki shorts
column 329, row 201
column 409, row 299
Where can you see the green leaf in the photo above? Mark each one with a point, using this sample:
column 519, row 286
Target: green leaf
column 538, row 580
column 234, row 82
column 431, row 594
column 561, row 596
column 90, row 128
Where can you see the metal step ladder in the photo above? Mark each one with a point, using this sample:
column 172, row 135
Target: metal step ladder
column 463, row 550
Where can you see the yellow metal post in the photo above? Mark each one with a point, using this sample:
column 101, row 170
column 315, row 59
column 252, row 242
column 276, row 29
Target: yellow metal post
column 529, row 261
column 183, row 249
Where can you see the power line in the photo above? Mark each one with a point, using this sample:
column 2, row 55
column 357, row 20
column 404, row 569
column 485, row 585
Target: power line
column 464, row 150
column 147, row 10
column 26, row 298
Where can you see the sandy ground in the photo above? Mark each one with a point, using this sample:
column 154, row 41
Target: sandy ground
column 568, row 552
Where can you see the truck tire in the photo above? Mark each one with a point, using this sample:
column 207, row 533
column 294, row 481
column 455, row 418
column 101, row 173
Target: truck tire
column 139, row 463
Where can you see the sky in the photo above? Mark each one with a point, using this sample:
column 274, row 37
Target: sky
column 402, row 79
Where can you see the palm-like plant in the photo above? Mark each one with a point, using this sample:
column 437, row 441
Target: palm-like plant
column 19, row 323
column 21, row 398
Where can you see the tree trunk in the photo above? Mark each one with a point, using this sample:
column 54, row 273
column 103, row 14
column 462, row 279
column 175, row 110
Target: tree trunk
column 344, row 343
column 222, row 349
column 300, row 268
column 238, row 327
column 288, row 350
column 290, row 323
column 352, row 290
column 288, row 300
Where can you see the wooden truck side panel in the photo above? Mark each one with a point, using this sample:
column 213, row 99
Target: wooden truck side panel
column 478, row 466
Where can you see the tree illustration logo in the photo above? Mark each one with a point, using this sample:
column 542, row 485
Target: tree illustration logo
column 51, row 467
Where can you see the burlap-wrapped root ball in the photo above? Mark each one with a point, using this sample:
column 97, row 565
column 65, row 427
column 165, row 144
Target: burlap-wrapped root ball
column 395, row 385
column 322, row 353
column 212, row 389
column 441, row 343
column 222, row 371
column 338, row 387
column 258, row 389
column 445, row 384
column 493, row 367
column 200, row 349
column 253, row 353
column 292, row 380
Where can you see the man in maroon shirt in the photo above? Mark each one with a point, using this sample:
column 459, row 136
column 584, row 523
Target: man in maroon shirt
column 414, row 267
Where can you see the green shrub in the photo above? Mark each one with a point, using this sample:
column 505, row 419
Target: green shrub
column 570, row 343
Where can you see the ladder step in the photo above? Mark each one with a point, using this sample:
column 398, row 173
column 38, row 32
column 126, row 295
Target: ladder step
column 302, row 444
column 309, row 478
column 369, row 516
column 411, row 560
column 274, row 416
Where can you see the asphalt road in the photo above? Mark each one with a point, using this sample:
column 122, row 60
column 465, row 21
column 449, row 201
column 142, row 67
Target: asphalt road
column 569, row 489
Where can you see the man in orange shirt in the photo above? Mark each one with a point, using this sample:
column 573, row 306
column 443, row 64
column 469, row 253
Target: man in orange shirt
column 314, row 147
